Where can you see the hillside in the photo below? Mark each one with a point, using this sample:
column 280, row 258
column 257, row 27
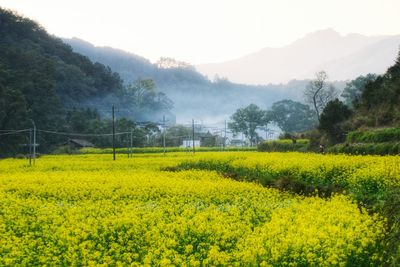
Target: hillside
column 379, row 102
column 45, row 74
column 343, row 57
column 43, row 80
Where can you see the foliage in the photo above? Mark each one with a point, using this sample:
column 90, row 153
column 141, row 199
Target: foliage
column 385, row 148
column 331, row 118
column 379, row 135
column 246, row 120
column 42, row 79
column 175, row 135
column 319, row 92
column 354, row 89
column 284, row 145
column 142, row 94
column 89, row 210
column 152, row 150
column 379, row 102
column 292, row 116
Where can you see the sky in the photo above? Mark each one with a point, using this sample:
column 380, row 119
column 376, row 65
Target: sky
column 205, row 31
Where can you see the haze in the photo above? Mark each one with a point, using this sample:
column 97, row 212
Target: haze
column 206, row 31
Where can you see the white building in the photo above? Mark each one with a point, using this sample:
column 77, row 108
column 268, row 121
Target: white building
column 189, row 143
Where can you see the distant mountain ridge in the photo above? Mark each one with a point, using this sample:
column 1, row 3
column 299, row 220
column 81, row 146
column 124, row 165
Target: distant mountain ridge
column 194, row 95
column 342, row 57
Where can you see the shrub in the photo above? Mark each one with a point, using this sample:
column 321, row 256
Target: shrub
column 374, row 136
column 388, row 148
column 284, row 145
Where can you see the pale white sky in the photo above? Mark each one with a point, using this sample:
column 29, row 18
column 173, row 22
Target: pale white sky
column 204, row 31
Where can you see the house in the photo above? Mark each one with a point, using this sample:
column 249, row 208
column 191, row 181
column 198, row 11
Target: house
column 203, row 140
column 189, row 143
column 239, row 143
column 78, row 143
column 208, row 139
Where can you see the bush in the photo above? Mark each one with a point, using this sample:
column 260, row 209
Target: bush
column 65, row 150
column 140, row 150
column 284, row 145
column 374, row 136
column 388, row 148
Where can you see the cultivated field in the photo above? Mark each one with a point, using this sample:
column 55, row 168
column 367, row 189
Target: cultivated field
column 212, row 208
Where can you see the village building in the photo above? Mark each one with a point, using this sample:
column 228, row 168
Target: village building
column 79, row 143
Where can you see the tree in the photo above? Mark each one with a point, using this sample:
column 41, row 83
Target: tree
column 140, row 91
column 143, row 94
column 246, row 120
column 354, row 89
column 332, row 116
column 292, row 116
column 319, row 92
column 13, row 113
column 379, row 101
column 175, row 135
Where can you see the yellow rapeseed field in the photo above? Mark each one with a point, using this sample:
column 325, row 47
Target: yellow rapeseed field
column 88, row 210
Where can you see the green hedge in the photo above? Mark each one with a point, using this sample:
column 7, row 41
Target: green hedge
column 388, row 148
column 284, row 145
column 374, row 136
column 140, row 150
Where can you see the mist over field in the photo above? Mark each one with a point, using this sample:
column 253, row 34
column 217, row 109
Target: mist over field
column 212, row 99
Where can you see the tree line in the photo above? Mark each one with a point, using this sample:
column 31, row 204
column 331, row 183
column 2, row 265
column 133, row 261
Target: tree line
column 43, row 80
column 326, row 116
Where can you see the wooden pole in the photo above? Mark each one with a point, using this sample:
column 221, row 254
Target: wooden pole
column 113, row 130
column 193, row 135
column 30, row 147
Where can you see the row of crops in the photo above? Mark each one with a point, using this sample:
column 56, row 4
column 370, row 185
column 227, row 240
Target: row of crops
column 179, row 209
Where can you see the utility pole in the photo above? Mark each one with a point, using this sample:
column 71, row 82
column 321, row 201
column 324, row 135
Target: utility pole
column 225, row 136
column 30, row 147
column 193, row 135
column 164, row 133
column 130, row 148
column 34, row 141
column 113, row 130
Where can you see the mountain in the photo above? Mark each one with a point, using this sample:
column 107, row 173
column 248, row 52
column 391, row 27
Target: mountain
column 343, row 57
column 129, row 66
column 193, row 94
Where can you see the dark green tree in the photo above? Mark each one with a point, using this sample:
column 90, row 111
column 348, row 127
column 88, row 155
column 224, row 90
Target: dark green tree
column 379, row 103
column 292, row 116
column 354, row 89
column 175, row 135
column 246, row 120
column 142, row 96
column 13, row 115
column 332, row 117
column 141, row 92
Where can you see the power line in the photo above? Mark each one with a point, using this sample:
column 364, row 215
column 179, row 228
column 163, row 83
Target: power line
column 15, row 131
column 81, row 134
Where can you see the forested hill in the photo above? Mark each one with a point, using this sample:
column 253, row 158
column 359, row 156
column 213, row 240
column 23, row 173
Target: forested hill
column 42, row 80
column 41, row 75
column 379, row 101
column 132, row 67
